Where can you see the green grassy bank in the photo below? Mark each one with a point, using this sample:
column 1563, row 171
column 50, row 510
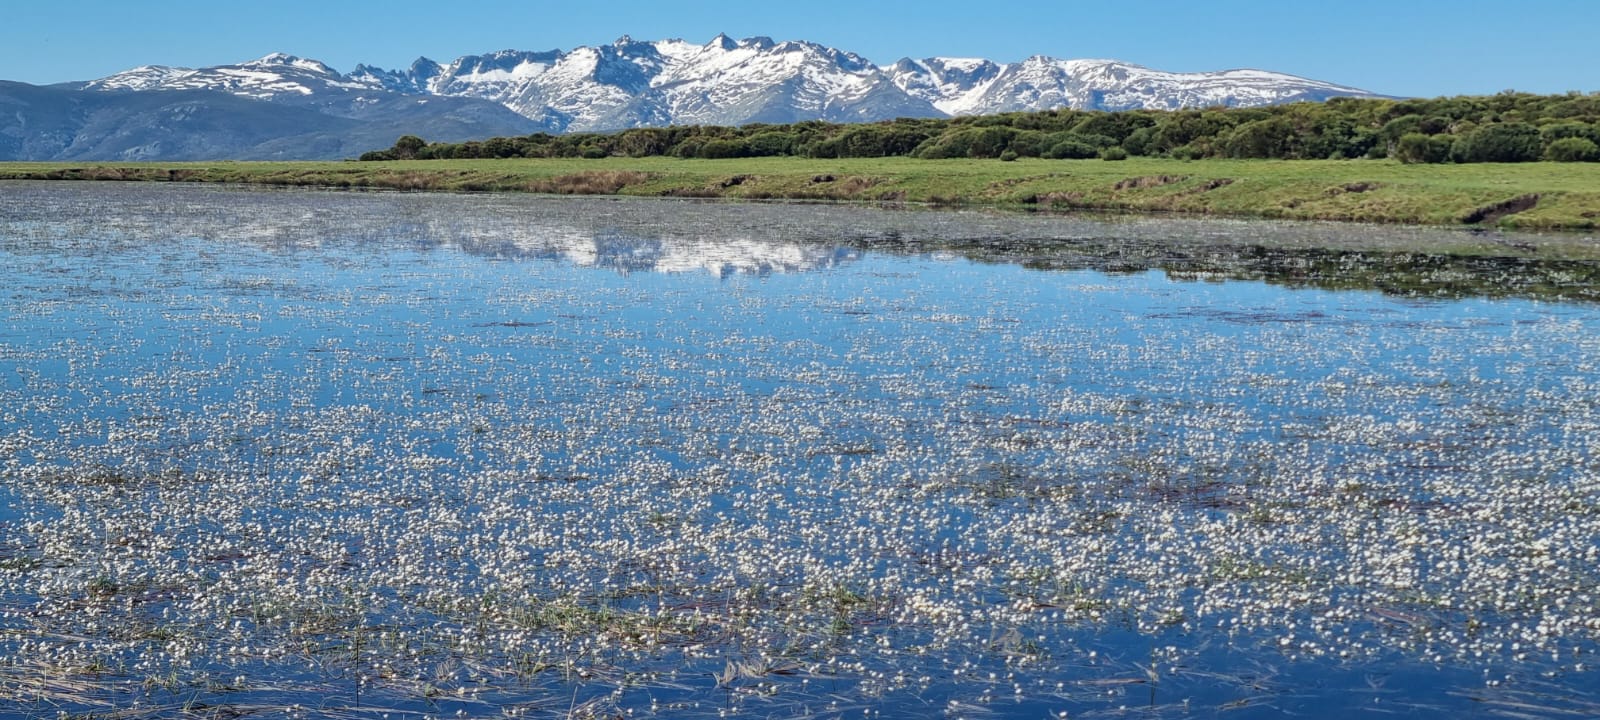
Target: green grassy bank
column 1522, row 195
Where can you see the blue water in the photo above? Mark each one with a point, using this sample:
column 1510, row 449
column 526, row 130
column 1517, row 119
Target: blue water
column 366, row 455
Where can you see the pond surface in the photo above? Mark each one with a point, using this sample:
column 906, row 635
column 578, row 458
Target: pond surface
column 307, row 454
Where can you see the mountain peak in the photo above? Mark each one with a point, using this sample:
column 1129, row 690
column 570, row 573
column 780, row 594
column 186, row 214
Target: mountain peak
column 276, row 58
column 279, row 59
column 723, row 42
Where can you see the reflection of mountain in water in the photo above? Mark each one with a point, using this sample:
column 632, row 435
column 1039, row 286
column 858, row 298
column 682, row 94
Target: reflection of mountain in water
column 727, row 239
column 625, row 252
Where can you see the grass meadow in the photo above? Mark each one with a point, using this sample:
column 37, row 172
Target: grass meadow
column 1522, row 196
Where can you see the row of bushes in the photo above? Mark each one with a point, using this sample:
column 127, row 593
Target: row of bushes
column 1508, row 127
column 1506, row 142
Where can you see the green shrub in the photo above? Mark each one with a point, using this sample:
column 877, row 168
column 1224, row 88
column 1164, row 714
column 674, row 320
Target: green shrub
column 871, row 141
column 1193, row 151
column 1115, row 126
column 1271, row 138
column 1576, row 106
column 639, row 142
column 1434, row 125
column 1502, row 143
column 1113, row 153
column 1561, row 131
column 690, row 146
column 1138, row 143
column 499, row 147
column 407, row 146
column 1071, row 150
column 973, row 142
column 990, row 142
column 1439, row 148
column 1410, row 148
column 1030, row 143
column 1009, row 156
column 1419, row 148
column 933, row 149
column 594, row 153
column 1573, row 149
column 1392, row 131
column 722, row 149
column 437, row 151
column 770, row 143
column 1092, row 140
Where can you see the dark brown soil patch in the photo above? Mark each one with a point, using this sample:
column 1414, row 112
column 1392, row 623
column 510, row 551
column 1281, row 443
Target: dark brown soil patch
column 1493, row 213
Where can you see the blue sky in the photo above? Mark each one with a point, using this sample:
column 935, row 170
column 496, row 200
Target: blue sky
column 1393, row 46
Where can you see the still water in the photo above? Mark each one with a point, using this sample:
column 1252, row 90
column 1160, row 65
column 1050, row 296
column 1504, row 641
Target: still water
column 308, row 454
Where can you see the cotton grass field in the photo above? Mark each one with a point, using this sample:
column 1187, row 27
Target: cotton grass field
column 295, row 454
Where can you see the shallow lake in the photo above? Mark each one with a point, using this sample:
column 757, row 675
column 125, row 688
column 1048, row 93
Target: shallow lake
column 380, row 455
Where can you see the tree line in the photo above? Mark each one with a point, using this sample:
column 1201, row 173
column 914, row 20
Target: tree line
column 1507, row 127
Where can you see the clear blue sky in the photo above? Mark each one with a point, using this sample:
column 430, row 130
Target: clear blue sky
column 1390, row 46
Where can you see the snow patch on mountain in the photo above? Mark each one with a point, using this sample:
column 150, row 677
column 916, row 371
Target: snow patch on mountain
column 948, row 84
column 266, row 78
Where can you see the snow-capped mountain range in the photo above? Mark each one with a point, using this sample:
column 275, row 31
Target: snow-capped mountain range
column 282, row 107
column 631, row 83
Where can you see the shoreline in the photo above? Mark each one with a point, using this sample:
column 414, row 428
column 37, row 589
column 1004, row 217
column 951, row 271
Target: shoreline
column 1531, row 196
column 1416, row 261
